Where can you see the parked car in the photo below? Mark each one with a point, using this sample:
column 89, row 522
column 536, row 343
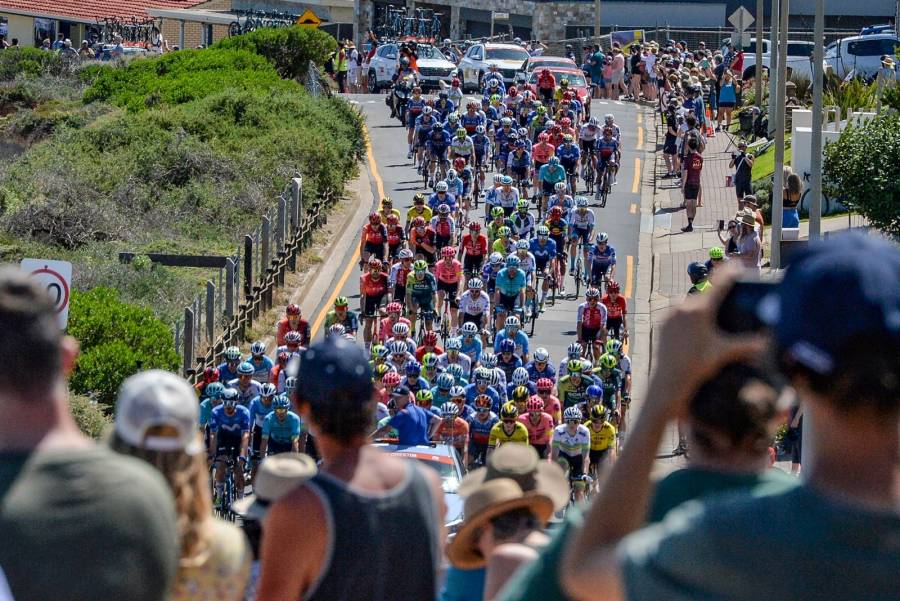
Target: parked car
column 445, row 461
column 551, row 62
column 799, row 58
column 576, row 82
column 433, row 67
column 508, row 58
column 860, row 55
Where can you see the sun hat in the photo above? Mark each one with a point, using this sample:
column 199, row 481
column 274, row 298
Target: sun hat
column 277, row 476
column 490, row 499
column 158, row 399
column 522, row 464
column 748, row 219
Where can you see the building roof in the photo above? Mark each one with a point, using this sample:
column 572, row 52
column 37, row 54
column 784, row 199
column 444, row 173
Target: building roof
column 91, row 10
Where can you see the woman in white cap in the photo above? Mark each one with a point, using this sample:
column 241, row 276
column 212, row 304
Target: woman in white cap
column 157, row 420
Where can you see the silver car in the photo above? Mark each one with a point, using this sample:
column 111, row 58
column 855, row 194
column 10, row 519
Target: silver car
column 509, row 59
column 433, row 67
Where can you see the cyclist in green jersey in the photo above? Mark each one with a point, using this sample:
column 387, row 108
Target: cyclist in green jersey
column 572, row 388
column 342, row 315
column 421, row 293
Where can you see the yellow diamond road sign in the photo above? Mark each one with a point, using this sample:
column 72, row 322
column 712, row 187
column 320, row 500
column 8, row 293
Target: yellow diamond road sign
column 308, row 19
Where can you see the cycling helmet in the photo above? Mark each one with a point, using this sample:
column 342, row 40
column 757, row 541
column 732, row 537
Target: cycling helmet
column 229, row 397
column 497, row 211
column 459, row 163
column 380, row 351
column 391, row 378
column 522, row 205
column 505, row 121
column 437, row 126
column 451, row 173
column 494, row 83
column 387, row 201
column 453, row 117
column 572, row 414
column 441, row 186
column 475, row 284
column 697, row 271
column 574, row 366
column 394, row 307
column 716, row 253
column 496, row 258
column 430, row 338
column 556, row 212
column 469, row 328
column 504, row 232
column 554, row 160
column 474, row 226
column 523, row 131
column 541, row 355
column 445, row 381
column 520, row 394
column 544, row 384
column 211, row 374
column 457, row 392
column 374, row 218
column 509, row 411
column 337, row 330
column 495, row 99
column 512, row 322
column 613, row 286
column 541, row 110
column 489, row 360
column 379, row 371
column 430, row 360
column 575, row 350
column 568, row 138
column 444, row 209
column 586, row 366
column 506, row 181
column 534, row 405
column 520, row 376
column 595, row 391
column 281, row 403
column 267, row 390
column 292, row 309
column 507, row 346
column 453, row 344
column 543, row 231
column 245, row 369
column 427, row 110
column 482, row 374
column 214, row 390
column 479, row 129
column 404, row 62
column 599, row 412
column 455, row 370
column 293, row 338
column 392, row 219
column 417, row 222
column 512, row 261
column 592, row 293
column 398, row 347
column 424, row 397
column 593, row 121
column 449, row 410
column 483, row 403
column 341, row 301
column 290, row 384
column 608, row 361
column 232, row 353
column 581, row 202
column 400, row 329
column 420, row 265
column 376, row 264
column 412, row 368
column 522, row 245
column 614, row 346
column 602, row 237
column 608, row 118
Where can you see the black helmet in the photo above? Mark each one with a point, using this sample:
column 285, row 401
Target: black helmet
column 697, row 272
column 404, row 62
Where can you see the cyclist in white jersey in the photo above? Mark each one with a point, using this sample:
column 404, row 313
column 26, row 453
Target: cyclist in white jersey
column 581, row 226
column 462, row 146
column 527, row 264
column 562, row 200
column 571, row 446
column 474, row 303
column 587, row 137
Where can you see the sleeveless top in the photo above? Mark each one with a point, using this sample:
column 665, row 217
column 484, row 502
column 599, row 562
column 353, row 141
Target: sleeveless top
column 381, row 547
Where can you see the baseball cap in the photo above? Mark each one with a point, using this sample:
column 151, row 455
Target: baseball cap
column 277, row 476
column 814, row 329
column 158, row 399
column 331, row 370
column 401, row 390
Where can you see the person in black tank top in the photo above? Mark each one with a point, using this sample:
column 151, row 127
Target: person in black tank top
column 369, row 525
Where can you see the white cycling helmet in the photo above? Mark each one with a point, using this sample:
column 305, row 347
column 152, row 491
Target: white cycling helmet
column 427, row 110
column 520, row 376
column 454, row 344
column 575, row 350
column 469, row 329
column 572, row 413
column 602, row 237
column 476, row 284
column 541, row 354
column 522, row 245
column 581, row 202
column 451, row 173
column 400, row 329
column 512, row 322
column 560, row 187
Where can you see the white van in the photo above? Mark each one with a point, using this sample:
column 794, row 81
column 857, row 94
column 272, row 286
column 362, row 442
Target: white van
column 799, row 58
column 860, row 54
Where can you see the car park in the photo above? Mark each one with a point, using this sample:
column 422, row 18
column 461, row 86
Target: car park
column 509, row 59
column 433, row 67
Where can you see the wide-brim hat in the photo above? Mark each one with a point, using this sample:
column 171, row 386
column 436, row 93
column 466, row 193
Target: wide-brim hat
column 748, row 219
column 490, row 499
column 522, row 464
column 277, row 476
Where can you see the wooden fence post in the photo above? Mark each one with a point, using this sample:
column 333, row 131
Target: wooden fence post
column 248, row 265
column 210, row 311
column 229, row 289
column 188, row 355
column 265, row 237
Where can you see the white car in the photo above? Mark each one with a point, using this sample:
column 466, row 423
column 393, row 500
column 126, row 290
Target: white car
column 860, row 55
column 799, row 58
column 508, row 58
column 433, row 67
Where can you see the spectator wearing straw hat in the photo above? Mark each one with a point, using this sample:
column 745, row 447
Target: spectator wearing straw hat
column 749, row 244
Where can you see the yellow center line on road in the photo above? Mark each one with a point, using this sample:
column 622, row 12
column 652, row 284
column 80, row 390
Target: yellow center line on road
column 640, row 118
column 629, row 277
column 640, row 136
column 636, row 181
column 632, row 209
column 379, row 185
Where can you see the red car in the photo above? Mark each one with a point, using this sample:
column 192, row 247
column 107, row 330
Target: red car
column 577, row 83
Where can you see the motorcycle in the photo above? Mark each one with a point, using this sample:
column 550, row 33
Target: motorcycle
column 398, row 99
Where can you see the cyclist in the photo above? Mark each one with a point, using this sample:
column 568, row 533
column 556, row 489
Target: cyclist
column 574, row 351
column 507, row 362
column 467, row 175
column 520, row 380
column 472, row 118
column 292, row 320
column 591, row 323
column 282, row 431
column 616, row 309
column 571, row 448
column 470, row 343
column 442, row 196
column 440, row 392
column 419, row 209
column 499, row 220
column 414, row 108
column 504, row 244
column 581, row 225
column 397, row 277
column 429, row 347
column 603, row 439
column 572, row 387
column 543, row 249
column 373, row 242
column 443, row 105
column 539, row 424
column 518, row 165
column 563, row 200
column 448, row 272
column 400, row 333
column 509, row 430
column 246, row 387
column 424, row 125
column 210, row 375
column 609, row 377
column 481, row 386
column 527, row 264
column 423, row 240
column 587, row 138
column 473, row 250
column 615, row 348
column 474, row 304
column 551, row 403
column 609, row 120
column 462, row 145
column 523, row 221
column 342, row 315
column 387, row 209
column 454, row 357
column 541, row 153
column 510, row 290
column 480, row 427
column 546, row 86
column 454, row 189
column 228, row 368
column 481, row 144
column 512, row 331
column 569, row 157
column 386, row 326
column 396, row 236
column 512, row 99
column 373, row 287
column 430, row 369
column 602, row 259
column 437, row 143
column 538, row 121
column 444, row 226
column 278, row 374
column 490, row 272
column 262, row 365
column 506, row 197
column 540, row 367
column 608, row 156
column 550, row 174
column 229, row 437
column 558, row 229
column 292, row 344
column 498, row 375
column 260, row 407
column 453, row 430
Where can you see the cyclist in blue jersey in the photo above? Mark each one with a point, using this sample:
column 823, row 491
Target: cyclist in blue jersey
column 229, row 437
column 472, row 118
column 247, row 388
column 609, row 121
column 262, row 365
column 602, row 259
column 414, row 107
column 501, row 141
column 581, row 227
column 523, row 135
column 228, row 368
column 540, row 367
column 569, row 157
column 423, row 125
column 518, row 164
column 607, row 156
column 562, row 200
column 437, row 144
column 544, row 251
column 454, row 186
column 482, row 386
column 470, row 343
column 490, row 272
column 490, row 77
column 283, row 431
column 507, row 362
column 442, row 196
column 414, row 380
column 550, row 174
column 482, row 144
column 260, row 407
column 510, row 290
column 443, row 106
column 512, row 331
column 480, row 427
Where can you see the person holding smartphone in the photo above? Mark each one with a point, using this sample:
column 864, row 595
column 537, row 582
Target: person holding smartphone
column 742, row 163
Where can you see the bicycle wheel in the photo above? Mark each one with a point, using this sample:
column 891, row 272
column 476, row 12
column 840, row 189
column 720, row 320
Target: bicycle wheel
column 534, row 313
column 553, row 290
column 578, row 275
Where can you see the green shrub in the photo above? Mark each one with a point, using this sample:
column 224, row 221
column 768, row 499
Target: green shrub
column 117, row 339
column 29, row 61
column 289, row 49
column 89, row 416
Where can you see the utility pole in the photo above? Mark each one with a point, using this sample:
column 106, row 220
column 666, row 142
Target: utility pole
column 773, row 63
column 597, row 21
column 760, row 4
column 815, row 163
column 777, row 198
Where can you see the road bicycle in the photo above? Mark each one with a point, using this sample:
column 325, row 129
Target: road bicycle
column 604, row 181
column 587, row 175
column 229, row 489
column 581, row 276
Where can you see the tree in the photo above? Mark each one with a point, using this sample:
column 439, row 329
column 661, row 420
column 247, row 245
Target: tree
column 861, row 170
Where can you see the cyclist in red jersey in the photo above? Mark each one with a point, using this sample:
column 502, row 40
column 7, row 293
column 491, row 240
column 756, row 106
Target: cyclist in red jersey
column 398, row 274
column 422, row 240
column 592, row 323
column 473, row 250
column 210, row 375
column 429, row 345
column 539, row 424
column 385, row 328
column 292, row 320
column 373, row 242
column 373, row 286
column 278, row 374
column 448, row 272
column 616, row 309
column 396, row 235
column 551, row 403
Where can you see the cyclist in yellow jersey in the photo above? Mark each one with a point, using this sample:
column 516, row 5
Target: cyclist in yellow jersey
column 419, row 209
column 603, row 439
column 508, row 429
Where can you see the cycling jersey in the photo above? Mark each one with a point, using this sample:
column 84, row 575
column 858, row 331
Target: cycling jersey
column 506, row 199
column 475, row 245
column 474, row 304
column 449, row 274
column 437, row 140
column 615, row 309
column 538, row 433
column 571, row 444
column 519, row 160
column 510, row 284
column 395, row 235
column 588, row 133
column 480, row 144
column 414, row 108
column 499, row 436
column 472, row 391
column 504, row 247
column 603, row 438
column 527, row 263
column 230, row 425
column 262, row 369
column 417, row 239
column 469, row 122
column 542, row 252
column 462, row 147
column 245, row 395
column 399, row 273
column 444, row 108
column 282, row 431
column 350, row 320
column 602, row 258
column 472, row 347
column 534, row 375
column 386, row 327
column 372, row 286
column 550, row 175
column 421, row 289
column 424, row 212
column 566, row 203
column 568, row 153
column 570, row 393
column 461, row 359
column 542, row 151
column 582, row 220
column 376, row 234
column 259, row 410
column 523, row 224
column 493, row 228
column 606, row 149
column 480, row 430
column 453, row 432
column 507, row 367
column 435, row 200
column 520, row 338
column 489, row 276
column 557, row 228
column 593, row 317
column 443, row 228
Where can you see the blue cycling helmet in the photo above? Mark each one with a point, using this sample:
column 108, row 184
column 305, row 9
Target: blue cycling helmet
column 595, row 391
column 214, row 390
column 281, row 402
column 554, row 160
column 445, row 381
column 512, row 261
column 245, row 369
column 455, row 370
column 413, row 368
column 489, row 360
column 507, row 346
column 229, row 396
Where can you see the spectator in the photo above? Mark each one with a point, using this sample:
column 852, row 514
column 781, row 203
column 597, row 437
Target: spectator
column 742, row 163
column 847, row 507
column 693, row 166
column 3, row 43
column 749, row 244
column 793, row 188
column 118, row 50
column 277, row 476
column 618, row 73
column 77, row 521
column 413, row 424
column 386, row 542
column 45, row 45
column 157, row 421
column 732, row 233
column 60, row 41
column 341, row 67
column 85, row 52
column 67, row 52
column 596, row 61
column 751, row 205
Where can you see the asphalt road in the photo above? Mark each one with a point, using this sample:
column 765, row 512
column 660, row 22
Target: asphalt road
column 394, row 175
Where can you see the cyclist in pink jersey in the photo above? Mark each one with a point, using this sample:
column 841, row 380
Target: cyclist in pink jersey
column 448, row 272
column 539, row 424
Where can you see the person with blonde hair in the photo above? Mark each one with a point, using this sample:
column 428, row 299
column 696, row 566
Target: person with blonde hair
column 157, row 421
column 793, row 188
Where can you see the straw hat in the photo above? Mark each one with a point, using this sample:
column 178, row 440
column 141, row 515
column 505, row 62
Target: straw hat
column 748, row 219
column 489, row 500
column 888, row 62
column 522, row 464
column 277, row 476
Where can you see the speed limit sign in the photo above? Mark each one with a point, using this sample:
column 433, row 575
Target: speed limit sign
column 56, row 277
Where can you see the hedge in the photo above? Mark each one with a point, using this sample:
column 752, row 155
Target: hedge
column 89, row 416
column 289, row 49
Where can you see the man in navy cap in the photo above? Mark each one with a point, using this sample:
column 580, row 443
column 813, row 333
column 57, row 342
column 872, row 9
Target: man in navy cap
column 342, row 531
column 414, row 424
column 840, row 530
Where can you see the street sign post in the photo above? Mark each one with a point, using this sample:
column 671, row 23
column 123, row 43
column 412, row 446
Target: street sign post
column 309, row 19
column 56, row 277
column 741, row 19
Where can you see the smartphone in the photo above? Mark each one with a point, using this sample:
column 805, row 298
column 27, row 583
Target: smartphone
column 721, row 224
column 738, row 313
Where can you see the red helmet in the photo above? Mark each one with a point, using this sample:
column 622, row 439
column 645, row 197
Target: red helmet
column 607, row 131
column 535, row 404
column 472, row 105
column 512, row 91
column 430, row 338
column 544, row 384
column 375, row 264
column 613, row 286
column 448, row 251
column 566, row 122
column 211, row 374
column 459, row 163
column 556, row 128
column 392, row 219
column 391, row 378
column 556, row 212
column 394, row 307
column 292, row 309
column 374, row 218
column 543, row 136
column 482, row 401
column 283, row 356
column 455, row 82
column 418, row 222
column 474, row 226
